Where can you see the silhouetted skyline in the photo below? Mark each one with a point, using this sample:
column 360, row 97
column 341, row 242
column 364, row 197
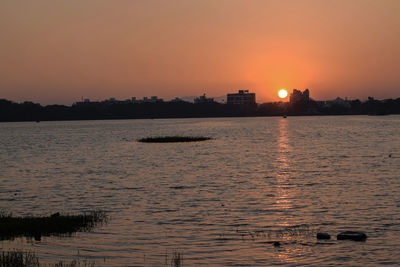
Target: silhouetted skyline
column 300, row 104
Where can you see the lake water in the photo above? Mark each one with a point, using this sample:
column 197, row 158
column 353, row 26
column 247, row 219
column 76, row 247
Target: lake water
column 221, row 202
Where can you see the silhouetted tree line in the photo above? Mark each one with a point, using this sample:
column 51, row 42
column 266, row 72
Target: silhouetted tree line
column 28, row 111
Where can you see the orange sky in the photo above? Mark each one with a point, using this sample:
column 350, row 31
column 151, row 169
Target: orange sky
column 58, row 51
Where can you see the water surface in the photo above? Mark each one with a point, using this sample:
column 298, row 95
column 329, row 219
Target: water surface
column 220, row 202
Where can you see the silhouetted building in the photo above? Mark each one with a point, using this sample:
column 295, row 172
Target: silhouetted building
column 112, row 101
column 203, row 99
column 177, row 100
column 297, row 96
column 338, row 102
column 243, row 97
column 153, row 99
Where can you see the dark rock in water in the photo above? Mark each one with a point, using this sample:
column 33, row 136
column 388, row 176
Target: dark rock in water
column 277, row 244
column 352, row 235
column 323, row 236
column 57, row 214
column 37, row 236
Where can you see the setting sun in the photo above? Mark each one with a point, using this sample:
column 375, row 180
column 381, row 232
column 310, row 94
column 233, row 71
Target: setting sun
column 282, row 93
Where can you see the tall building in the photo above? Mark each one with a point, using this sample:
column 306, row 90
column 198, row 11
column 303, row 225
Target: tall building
column 242, row 97
column 203, row 99
column 298, row 96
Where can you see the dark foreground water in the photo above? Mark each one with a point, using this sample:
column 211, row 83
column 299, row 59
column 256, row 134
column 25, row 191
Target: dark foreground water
column 220, row 202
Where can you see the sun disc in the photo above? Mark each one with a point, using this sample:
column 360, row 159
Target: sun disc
column 282, row 93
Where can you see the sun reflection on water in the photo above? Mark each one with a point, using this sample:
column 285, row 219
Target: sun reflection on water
column 283, row 169
column 283, row 192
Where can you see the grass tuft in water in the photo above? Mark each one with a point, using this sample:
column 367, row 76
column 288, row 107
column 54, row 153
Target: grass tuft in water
column 18, row 259
column 177, row 259
column 295, row 231
column 56, row 224
column 173, row 139
column 75, row 263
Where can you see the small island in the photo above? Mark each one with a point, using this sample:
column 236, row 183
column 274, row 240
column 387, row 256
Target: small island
column 54, row 225
column 173, row 139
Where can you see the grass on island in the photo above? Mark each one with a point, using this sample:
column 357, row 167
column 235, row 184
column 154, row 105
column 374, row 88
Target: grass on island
column 173, row 139
column 56, row 224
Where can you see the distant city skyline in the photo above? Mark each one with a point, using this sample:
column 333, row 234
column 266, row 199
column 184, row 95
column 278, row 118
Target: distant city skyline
column 58, row 52
column 219, row 99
